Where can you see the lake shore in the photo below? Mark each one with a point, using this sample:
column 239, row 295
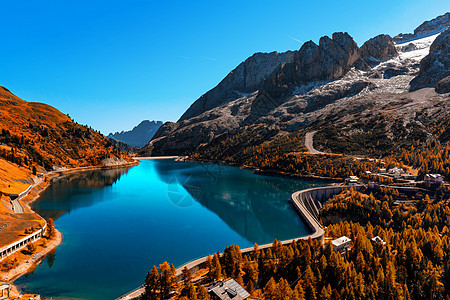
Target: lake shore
column 25, row 266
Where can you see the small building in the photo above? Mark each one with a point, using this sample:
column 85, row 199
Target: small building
column 433, row 178
column 352, row 180
column 383, row 171
column 377, row 240
column 5, row 289
column 341, row 243
column 368, row 173
column 227, row 290
column 396, row 170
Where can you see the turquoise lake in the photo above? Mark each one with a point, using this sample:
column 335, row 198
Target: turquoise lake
column 118, row 223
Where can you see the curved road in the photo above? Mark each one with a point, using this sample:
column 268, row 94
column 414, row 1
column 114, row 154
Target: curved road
column 309, row 143
column 17, row 208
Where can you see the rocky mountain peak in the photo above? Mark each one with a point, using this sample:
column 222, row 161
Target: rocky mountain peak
column 427, row 28
column 434, row 26
column 140, row 135
column 329, row 60
column 379, row 48
column 246, row 77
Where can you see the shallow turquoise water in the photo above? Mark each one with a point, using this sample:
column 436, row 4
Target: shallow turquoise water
column 118, row 223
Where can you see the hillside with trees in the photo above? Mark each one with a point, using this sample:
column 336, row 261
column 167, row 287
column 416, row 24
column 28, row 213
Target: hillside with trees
column 37, row 138
column 413, row 264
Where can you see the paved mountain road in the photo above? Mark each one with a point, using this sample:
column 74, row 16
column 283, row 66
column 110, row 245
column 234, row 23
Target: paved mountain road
column 309, row 143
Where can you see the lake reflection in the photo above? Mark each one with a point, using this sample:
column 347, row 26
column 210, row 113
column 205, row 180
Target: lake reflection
column 118, row 223
column 74, row 191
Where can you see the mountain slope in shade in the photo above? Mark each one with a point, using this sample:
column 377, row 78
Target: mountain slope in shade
column 140, row 135
column 122, row 146
column 332, row 82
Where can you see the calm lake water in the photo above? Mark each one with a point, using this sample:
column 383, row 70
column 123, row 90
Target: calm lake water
column 118, row 223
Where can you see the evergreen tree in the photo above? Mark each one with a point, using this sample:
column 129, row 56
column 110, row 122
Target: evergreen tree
column 216, row 267
column 271, row 290
column 151, row 285
column 202, row 293
column 186, row 275
column 167, row 280
column 51, row 232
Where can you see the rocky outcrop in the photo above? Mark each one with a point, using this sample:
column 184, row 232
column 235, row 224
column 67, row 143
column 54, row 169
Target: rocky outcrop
column 246, row 78
column 379, row 48
column 443, row 86
column 427, row 28
column 435, row 66
column 140, row 135
column 329, row 60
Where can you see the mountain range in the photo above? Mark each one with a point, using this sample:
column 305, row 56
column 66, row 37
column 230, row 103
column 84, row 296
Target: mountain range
column 387, row 81
column 140, row 135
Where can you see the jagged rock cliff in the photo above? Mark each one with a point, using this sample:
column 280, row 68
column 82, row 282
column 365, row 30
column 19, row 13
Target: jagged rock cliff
column 329, row 60
column 379, row 48
column 435, row 67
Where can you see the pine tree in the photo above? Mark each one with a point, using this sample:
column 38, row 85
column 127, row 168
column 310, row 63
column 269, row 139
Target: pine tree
column 325, row 294
column 210, row 268
column 284, row 290
column 186, row 275
column 202, row 293
column 151, row 284
column 167, row 280
column 51, row 232
column 299, row 293
column 271, row 290
column 216, row 267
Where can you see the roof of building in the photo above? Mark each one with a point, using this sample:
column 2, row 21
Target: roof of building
column 433, row 175
column 4, row 284
column 341, row 241
column 378, row 240
column 229, row 289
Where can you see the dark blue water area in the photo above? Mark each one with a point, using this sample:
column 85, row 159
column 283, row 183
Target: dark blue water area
column 118, row 223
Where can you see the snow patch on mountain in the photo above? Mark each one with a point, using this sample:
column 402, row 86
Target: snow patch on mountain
column 421, row 46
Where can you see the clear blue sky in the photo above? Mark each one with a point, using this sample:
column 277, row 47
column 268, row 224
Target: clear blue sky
column 111, row 64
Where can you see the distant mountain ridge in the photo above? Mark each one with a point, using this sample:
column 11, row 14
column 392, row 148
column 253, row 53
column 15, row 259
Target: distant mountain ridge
column 140, row 135
column 330, row 82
